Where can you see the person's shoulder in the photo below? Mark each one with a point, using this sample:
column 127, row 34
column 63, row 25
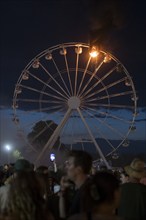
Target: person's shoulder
column 86, row 182
column 133, row 185
column 78, row 217
column 2, row 217
column 106, row 217
column 4, row 194
column 4, row 188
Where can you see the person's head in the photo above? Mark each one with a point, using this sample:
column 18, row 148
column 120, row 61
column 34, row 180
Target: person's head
column 6, row 167
column 79, row 162
column 26, row 196
column 102, row 189
column 22, row 165
column 136, row 169
column 42, row 169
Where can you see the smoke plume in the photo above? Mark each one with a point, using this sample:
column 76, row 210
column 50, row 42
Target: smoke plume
column 105, row 16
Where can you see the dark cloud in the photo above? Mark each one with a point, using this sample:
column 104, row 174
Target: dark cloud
column 105, row 16
column 29, row 27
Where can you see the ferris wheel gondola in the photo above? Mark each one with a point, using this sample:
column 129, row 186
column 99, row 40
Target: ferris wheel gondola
column 89, row 94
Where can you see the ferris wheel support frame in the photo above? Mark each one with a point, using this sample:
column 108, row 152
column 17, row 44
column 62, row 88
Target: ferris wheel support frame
column 71, row 88
column 57, row 131
column 93, row 139
column 54, row 136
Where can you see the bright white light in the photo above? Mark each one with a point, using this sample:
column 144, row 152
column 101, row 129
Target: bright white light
column 94, row 52
column 8, row 147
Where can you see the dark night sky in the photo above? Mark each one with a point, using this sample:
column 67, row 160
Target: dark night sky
column 29, row 27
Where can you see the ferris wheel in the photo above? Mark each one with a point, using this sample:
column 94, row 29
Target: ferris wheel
column 87, row 93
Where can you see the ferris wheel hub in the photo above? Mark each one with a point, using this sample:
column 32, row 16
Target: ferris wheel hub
column 93, row 85
column 74, row 102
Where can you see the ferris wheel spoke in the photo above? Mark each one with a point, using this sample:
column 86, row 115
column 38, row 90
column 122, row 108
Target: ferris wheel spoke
column 44, row 83
column 115, row 95
column 100, row 80
column 38, row 101
column 59, row 147
column 92, row 76
column 32, row 147
column 108, row 96
column 44, row 118
column 82, row 79
column 76, row 74
column 57, row 83
column 118, row 146
column 105, row 88
column 61, row 76
column 110, row 106
column 110, row 115
column 99, row 132
column 68, row 73
column 32, row 89
column 53, row 109
column 108, row 126
column 42, row 92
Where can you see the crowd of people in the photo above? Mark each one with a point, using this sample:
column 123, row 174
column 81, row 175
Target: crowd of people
column 76, row 193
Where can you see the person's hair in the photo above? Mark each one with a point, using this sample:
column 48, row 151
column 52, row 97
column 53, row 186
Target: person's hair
column 41, row 169
column 100, row 188
column 26, row 197
column 82, row 159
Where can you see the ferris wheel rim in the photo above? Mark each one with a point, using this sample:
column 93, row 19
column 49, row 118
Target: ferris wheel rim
column 87, row 46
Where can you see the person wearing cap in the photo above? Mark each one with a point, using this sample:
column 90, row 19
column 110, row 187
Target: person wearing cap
column 133, row 193
column 21, row 165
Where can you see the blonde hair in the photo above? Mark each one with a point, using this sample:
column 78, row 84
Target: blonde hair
column 26, row 199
